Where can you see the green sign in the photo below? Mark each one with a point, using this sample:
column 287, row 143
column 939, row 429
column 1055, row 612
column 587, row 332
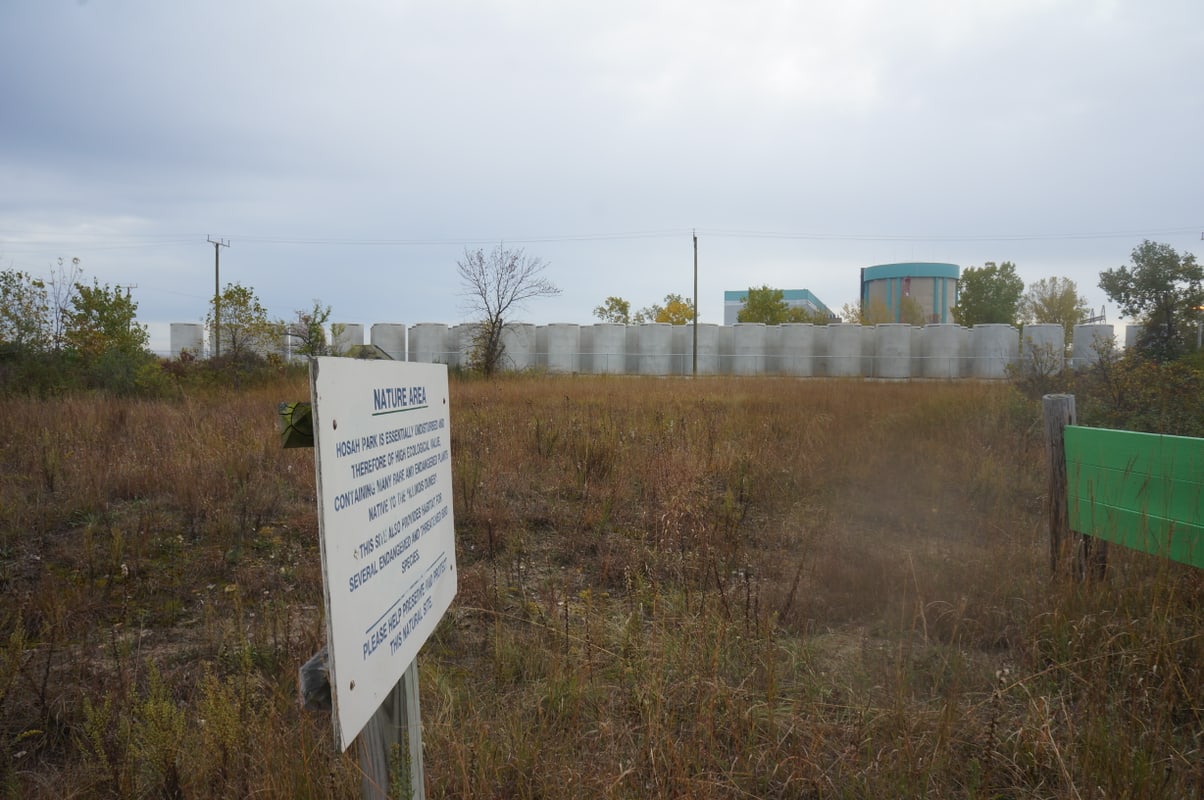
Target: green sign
column 1140, row 490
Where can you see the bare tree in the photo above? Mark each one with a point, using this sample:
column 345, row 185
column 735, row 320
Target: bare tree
column 495, row 284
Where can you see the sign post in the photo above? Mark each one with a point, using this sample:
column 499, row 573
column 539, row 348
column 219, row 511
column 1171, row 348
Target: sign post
column 383, row 461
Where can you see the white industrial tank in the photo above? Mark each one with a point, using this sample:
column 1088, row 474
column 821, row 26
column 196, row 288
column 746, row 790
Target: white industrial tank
column 390, row 337
column 996, row 346
column 1090, row 341
column 188, row 336
column 892, row 350
column 708, row 349
column 844, row 350
column 819, row 350
column 518, row 346
column 797, row 349
column 346, row 335
column 428, row 343
column 869, row 343
column 1043, row 348
column 656, row 347
column 942, row 350
column 608, row 348
column 748, row 348
column 560, row 344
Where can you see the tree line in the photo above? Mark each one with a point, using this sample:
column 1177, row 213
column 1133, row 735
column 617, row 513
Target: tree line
column 1160, row 289
column 62, row 331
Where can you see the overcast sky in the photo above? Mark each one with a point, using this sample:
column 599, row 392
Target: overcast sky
column 350, row 151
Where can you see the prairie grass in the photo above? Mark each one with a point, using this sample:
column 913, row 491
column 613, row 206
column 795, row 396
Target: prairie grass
column 712, row 588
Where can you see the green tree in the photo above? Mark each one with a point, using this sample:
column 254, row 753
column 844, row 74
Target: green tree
column 615, row 309
column 306, row 333
column 764, row 305
column 1053, row 300
column 102, row 320
column 988, row 294
column 24, row 313
column 1163, row 291
column 676, row 311
column 244, row 330
column 494, row 285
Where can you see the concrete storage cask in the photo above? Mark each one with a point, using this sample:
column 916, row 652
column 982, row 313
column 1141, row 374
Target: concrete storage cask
column 797, row 349
column 518, row 343
column 188, row 336
column 608, row 348
column 390, row 337
column 1043, row 347
column 995, row 347
column 346, row 335
column 725, row 350
column 869, row 352
column 917, row 351
column 942, row 350
column 819, row 350
column 461, row 342
column 708, row 348
column 1089, row 342
column 560, row 344
column 748, row 348
column 633, row 349
column 656, row 348
column 892, row 350
column 428, row 343
column 844, row 350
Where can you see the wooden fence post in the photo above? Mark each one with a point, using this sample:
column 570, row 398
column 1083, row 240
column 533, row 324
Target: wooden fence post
column 1058, row 412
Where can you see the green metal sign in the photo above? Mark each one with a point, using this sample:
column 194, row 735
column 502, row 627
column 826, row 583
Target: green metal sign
column 1140, row 490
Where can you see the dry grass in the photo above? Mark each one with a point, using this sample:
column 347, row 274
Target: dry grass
column 668, row 588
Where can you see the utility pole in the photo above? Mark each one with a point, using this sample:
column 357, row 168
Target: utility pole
column 695, row 234
column 217, row 293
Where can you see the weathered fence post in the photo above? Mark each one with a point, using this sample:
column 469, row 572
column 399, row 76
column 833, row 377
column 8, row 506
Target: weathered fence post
column 1059, row 412
column 1090, row 554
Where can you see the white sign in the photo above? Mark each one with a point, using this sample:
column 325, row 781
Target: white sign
column 382, row 441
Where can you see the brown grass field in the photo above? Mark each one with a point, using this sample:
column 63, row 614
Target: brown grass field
column 669, row 588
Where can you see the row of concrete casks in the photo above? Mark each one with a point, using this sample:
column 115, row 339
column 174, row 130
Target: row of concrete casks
column 889, row 351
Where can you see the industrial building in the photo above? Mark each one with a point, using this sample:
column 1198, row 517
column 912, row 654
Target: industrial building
column 928, row 287
column 733, row 302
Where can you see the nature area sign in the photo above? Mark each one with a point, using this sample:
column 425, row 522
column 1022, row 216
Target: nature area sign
column 383, row 460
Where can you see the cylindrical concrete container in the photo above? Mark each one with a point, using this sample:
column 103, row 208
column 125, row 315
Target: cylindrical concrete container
column 1132, row 335
column 518, row 346
column 1043, row 348
column 869, row 344
column 748, row 348
column 844, row 350
column 390, row 337
column 942, row 350
column 917, row 351
column 428, row 343
column 708, row 349
column 188, row 336
column 462, row 341
column 819, row 350
column 996, row 346
column 656, row 348
column 892, row 350
column 607, row 347
column 1089, row 342
column 345, row 336
column 726, row 343
column 560, row 343
column 797, row 349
